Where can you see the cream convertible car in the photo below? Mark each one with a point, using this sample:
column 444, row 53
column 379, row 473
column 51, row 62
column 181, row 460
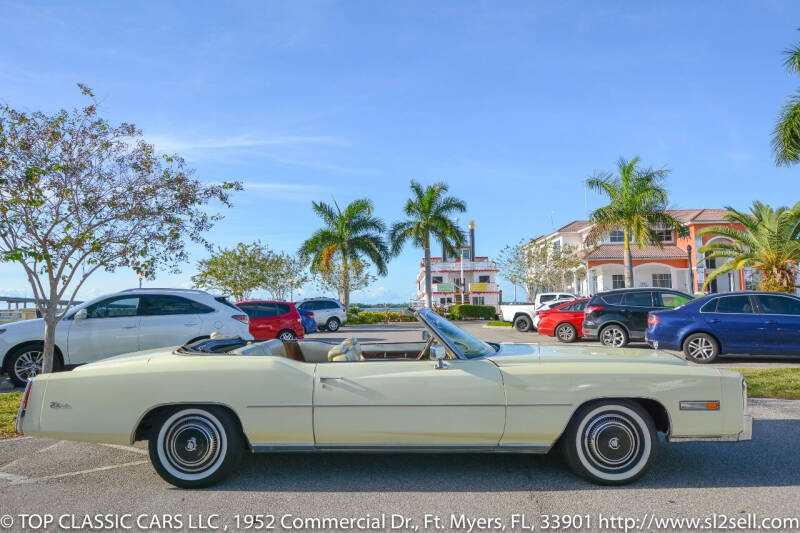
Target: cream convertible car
column 201, row 406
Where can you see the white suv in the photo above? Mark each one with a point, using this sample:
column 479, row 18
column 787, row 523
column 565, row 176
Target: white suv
column 330, row 314
column 128, row 321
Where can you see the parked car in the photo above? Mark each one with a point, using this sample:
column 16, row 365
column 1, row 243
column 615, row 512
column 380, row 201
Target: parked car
column 522, row 315
column 619, row 316
column 537, row 316
column 564, row 321
column 309, row 322
column 329, row 313
column 273, row 320
column 729, row 323
column 202, row 406
column 131, row 320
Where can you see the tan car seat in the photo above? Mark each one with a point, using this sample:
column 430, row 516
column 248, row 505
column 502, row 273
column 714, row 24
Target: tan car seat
column 348, row 350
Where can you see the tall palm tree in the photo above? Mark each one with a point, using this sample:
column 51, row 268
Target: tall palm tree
column 638, row 203
column 770, row 244
column 347, row 235
column 429, row 211
column 786, row 135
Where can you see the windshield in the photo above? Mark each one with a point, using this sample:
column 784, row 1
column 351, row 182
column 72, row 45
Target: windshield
column 469, row 346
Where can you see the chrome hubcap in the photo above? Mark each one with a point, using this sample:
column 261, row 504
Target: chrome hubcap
column 565, row 333
column 611, row 442
column 701, row 348
column 28, row 364
column 192, row 444
column 613, row 337
column 286, row 336
column 333, row 326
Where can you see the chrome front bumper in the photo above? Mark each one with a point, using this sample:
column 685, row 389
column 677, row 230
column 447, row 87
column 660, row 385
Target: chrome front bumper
column 745, row 434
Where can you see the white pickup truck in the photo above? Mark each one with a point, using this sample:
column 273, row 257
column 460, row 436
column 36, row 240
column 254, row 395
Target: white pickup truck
column 521, row 315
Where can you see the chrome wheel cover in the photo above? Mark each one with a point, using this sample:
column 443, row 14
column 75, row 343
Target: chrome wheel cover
column 29, row 364
column 565, row 333
column 700, row 348
column 192, row 444
column 286, row 336
column 333, row 325
column 613, row 336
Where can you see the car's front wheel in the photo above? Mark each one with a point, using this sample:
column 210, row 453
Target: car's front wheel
column 287, row 335
column 332, row 324
column 522, row 323
column 196, row 447
column 614, row 336
column 26, row 362
column 701, row 348
column 566, row 333
column 610, row 442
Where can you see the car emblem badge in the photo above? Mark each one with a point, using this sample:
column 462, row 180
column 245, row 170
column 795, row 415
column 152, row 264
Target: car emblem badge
column 613, row 443
column 59, row 405
column 191, row 445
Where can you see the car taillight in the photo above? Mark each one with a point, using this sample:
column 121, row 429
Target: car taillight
column 591, row 309
column 244, row 319
column 652, row 320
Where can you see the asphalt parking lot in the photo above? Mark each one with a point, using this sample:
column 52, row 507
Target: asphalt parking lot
column 691, row 480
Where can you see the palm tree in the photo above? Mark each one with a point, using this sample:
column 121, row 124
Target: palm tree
column 786, row 135
column 638, row 202
column 347, row 235
column 429, row 211
column 770, row 244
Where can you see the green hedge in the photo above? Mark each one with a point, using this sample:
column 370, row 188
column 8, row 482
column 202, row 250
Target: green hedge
column 377, row 317
column 461, row 312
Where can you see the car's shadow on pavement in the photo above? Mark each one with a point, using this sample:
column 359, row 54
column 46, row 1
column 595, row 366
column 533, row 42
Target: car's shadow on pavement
column 770, row 459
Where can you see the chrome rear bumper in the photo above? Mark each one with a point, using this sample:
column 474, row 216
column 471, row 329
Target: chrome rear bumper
column 745, row 434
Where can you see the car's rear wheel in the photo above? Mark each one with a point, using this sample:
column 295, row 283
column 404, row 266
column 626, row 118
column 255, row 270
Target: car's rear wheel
column 287, row 335
column 332, row 324
column 522, row 323
column 196, row 447
column 566, row 333
column 26, row 362
column 610, row 443
column 701, row 348
column 614, row 336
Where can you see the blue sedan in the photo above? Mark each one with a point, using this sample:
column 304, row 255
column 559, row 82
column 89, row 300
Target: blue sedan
column 729, row 323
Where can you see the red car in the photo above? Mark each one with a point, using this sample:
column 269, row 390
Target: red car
column 273, row 320
column 564, row 321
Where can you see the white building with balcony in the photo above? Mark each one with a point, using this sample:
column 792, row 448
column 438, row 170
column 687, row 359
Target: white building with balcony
column 469, row 279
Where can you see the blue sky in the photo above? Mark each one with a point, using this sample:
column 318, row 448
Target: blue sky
column 511, row 103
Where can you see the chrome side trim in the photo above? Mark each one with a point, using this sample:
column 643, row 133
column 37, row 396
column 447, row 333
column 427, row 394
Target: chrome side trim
column 260, row 405
column 745, row 434
column 403, row 448
column 21, row 411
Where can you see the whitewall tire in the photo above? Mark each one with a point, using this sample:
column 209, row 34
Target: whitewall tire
column 196, row 447
column 612, row 442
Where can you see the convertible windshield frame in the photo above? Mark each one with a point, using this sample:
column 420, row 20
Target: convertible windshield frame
column 430, row 319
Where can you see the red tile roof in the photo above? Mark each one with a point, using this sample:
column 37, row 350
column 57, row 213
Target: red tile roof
column 574, row 226
column 617, row 251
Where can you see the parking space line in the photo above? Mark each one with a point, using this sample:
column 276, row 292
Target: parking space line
column 13, row 478
column 50, row 447
column 126, row 448
column 77, row 473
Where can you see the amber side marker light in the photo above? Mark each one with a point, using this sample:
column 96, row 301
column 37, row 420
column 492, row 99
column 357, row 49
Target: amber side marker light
column 700, row 406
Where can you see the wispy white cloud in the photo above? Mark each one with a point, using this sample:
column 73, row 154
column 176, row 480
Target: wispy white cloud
column 282, row 191
column 167, row 143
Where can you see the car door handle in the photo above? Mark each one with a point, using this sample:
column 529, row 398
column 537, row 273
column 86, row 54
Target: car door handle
column 129, row 327
column 713, row 320
column 325, row 380
column 190, row 324
column 769, row 322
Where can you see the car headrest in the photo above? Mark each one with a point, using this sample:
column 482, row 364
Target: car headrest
column 350, row 348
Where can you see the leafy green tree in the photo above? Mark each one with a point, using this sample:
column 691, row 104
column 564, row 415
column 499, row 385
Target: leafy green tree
column 288, row 274
column 429, row 211
column 79, row 194
column 638, row 203
column 352, row 234
column 769, row 244
column 334, row 279
column 238, row 271
column 786, row 134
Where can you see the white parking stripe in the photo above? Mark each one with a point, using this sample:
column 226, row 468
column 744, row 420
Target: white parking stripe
column 50, row 447
column 13, row 478
column 126, row 448
column 78, row 473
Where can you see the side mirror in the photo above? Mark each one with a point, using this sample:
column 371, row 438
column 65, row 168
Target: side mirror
column 438, row 353
column 80, row 315
column 425, row 335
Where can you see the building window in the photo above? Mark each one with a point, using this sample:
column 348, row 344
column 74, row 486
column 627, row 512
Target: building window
column 663, row 234
column 477, row 300
column 436, row 279
column 662, row 280
column 617, row 236
column 617, row 281
column 442, row 300
column 483, row 279
column 557, row 246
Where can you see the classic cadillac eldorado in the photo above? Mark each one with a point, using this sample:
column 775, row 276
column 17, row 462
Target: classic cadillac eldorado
column 203, row 405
